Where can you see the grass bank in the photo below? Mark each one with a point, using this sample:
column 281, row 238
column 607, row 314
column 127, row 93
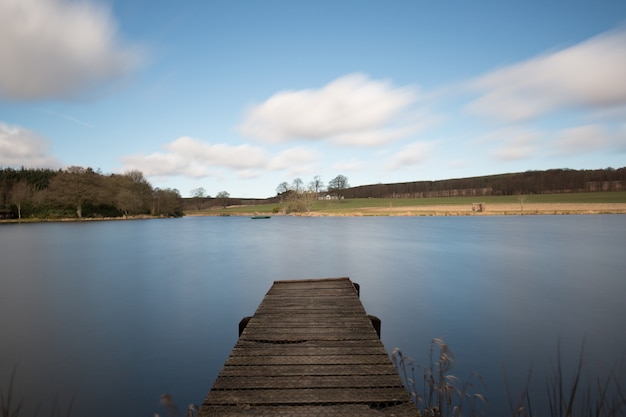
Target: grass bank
column 575, row 203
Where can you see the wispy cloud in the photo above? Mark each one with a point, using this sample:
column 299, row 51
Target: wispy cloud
column 67, row 117
column 584, row 139
column 512, row 143
column 296, row 161
column 412, row 154
column 353, row 110
column 59, row 49
column 351, row 165
column 589, row 74
column 22, row 147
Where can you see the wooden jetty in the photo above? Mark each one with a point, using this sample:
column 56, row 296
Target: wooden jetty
column 310, row 349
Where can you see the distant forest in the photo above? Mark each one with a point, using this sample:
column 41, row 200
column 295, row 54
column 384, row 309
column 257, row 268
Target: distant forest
column 552, row 181
column 82, row 193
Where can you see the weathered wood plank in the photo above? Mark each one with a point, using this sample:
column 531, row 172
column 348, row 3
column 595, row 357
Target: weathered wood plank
column 306, row 370
column 307, row 396
column 343, row 410
column 296, row 350
column 306, row 381
column 306, row 360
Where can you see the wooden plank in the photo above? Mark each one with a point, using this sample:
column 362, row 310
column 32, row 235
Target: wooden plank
column 307, row 396
column 306, row 359
column 306, row 381
column 306, row 370
column 310, row 349
column 343, row 410
column 297, row 350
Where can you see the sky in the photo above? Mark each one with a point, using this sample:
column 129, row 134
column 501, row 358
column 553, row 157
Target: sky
column 240, row 96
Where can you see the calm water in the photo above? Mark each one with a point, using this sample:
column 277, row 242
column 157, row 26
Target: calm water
column 115, row 313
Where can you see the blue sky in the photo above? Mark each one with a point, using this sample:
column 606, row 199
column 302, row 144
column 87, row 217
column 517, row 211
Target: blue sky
column 240, row 96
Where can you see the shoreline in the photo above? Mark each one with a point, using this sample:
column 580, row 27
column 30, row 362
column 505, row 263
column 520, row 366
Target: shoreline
column 445, row 210
column 78, row 220
column 531, row 209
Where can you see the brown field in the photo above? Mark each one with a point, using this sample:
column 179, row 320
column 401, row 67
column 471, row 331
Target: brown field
column 490, row 210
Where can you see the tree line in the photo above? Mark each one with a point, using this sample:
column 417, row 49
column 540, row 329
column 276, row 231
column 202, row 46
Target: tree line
column 78, row 192
column 530, row 182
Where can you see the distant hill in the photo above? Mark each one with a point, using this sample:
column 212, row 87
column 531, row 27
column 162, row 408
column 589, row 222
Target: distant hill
column 530, row 182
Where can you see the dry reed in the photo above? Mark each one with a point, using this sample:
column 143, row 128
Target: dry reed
column 442, row 394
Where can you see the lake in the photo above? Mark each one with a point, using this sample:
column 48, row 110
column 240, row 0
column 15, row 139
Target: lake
column 113, row 314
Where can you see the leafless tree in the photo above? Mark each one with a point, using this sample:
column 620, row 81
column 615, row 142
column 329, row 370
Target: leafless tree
column 317, row 185
column 75, row 186
column 223, row 198
column 198, row 195
column 338, row 184
column 21, row 193
column 522, row 199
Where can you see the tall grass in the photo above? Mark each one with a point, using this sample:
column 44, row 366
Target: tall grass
column 440, row 393
column 579, row 395
column 172, row 411
column 10, row 406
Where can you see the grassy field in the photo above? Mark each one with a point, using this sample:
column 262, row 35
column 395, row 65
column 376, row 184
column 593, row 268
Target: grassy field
column 575, row 203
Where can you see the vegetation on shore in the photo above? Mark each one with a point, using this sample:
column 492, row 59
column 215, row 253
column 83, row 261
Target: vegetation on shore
column 79, row 193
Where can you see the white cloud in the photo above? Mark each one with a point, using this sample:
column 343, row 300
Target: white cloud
column 58, row 48
column 589, row 74
column 348, row 166
column 234, row 157
column 351, row 110
column 412, row 154
column 22, row 147
column 374, row 137
column 513, row 143
column 299, row 160
column 581, row 139
column 190, row 157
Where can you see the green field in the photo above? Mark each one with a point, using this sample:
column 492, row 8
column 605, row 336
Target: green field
column 354, row 205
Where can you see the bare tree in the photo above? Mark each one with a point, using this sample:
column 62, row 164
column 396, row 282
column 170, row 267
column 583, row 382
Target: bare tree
column 21, row 193
column 128, row 202
column 167, row 202
column 337, row 185
column 317, row 185
column 283, row 190
column 223, row 197
column 298, row 198
column 75, row 186
column 130, row 192
column 309, row 196
column 298, row 185
column 199, row 192
column 198, row 195
column 522, row 199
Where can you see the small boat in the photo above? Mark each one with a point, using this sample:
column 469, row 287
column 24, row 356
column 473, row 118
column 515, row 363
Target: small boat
column 260, row 216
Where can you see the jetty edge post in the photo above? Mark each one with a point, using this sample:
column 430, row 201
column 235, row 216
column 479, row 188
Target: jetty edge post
column 243, row 323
